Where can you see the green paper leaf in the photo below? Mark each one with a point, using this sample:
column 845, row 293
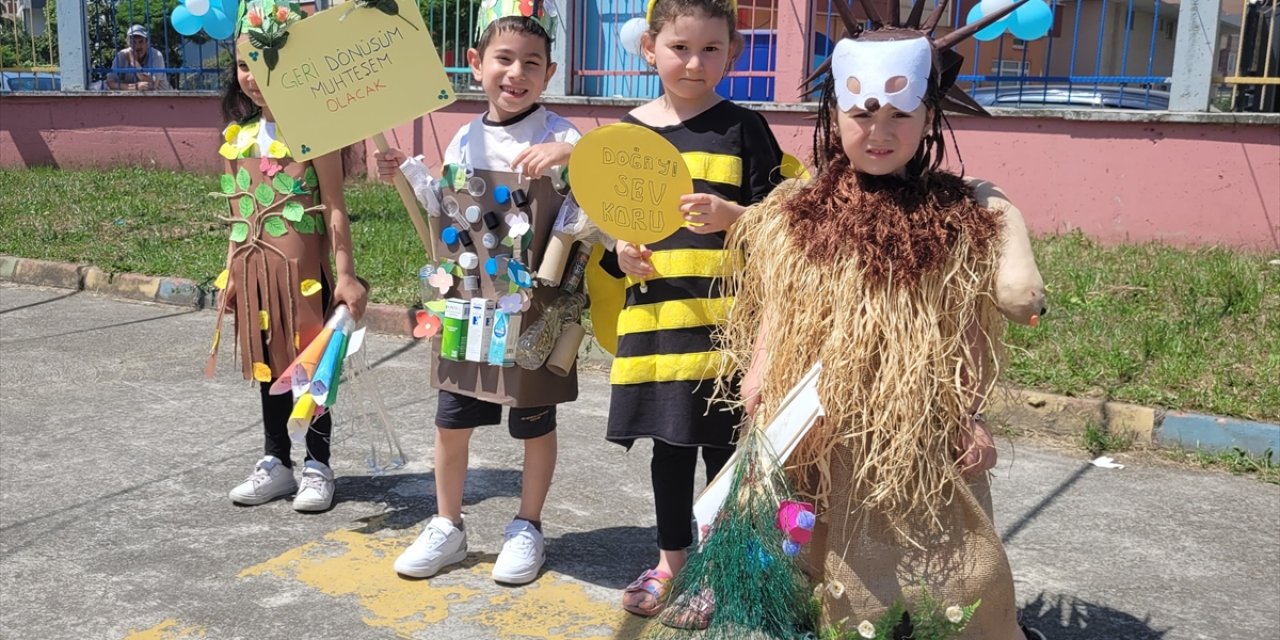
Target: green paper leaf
column 242, row 179
column 258, row 39
column 265, row 195
column 228, row 183
column 293, row 211
column 239, row 231
column 284, row 183
column 275, row 227
column 310, row 178
column 448, row 266
column 305, row 225
column 507, row 241
column 512, row 287
column 528, row 238
column 457, row 271
column 246, row 206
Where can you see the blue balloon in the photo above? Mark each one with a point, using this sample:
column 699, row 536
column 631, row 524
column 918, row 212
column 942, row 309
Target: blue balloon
column 218, row 25
column 183, row 22
column 1032, row 20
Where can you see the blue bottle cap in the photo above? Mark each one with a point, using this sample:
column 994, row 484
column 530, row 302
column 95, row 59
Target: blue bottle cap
column 449, row 235
column 501, row 193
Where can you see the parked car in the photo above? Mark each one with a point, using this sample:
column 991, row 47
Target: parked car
column 1039, row 96
column 29, row 81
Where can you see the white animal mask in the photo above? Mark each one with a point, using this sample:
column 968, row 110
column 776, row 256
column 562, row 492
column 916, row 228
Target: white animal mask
column 893, row 72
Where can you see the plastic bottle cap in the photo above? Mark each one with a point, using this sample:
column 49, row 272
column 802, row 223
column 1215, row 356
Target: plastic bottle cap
column 468, row 260
column 472, row 214
column 466, row 239
column 449, row 235
column 489, row 241
column 502, row 193
column 491, row 219
column 476, row 186
column 520, row 198
column 491, row 266
column 450, row 205
column 470, row 283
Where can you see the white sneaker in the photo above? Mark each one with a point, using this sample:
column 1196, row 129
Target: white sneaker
column 270, row 480
column 440, row 545
column 522, row 554
column 315, row 493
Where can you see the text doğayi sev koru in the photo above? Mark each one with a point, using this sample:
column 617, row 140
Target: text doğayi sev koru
column 347, row 74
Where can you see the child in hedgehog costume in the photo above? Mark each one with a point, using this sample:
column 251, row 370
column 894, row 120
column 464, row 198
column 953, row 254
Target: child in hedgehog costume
column 899, row 277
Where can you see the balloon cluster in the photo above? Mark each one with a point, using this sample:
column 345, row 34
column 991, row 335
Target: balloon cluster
column 1028, row 22
column 216, row 17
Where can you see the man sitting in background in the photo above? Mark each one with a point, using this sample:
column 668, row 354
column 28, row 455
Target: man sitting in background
column 138, row 55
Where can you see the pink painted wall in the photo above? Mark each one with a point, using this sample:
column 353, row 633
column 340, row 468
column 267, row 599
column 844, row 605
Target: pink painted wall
column 1180, row 183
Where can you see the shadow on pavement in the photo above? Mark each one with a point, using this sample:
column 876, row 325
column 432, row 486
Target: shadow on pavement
column 410, row 511
column 1069, row 618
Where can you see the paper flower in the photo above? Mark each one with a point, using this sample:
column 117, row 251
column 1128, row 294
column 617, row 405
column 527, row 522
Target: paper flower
column 955, row 615
column 427, row 326
column 518, row 224
column 215, row 17
column 519, row 275
column 1028, row 22
column 866, row 629
column 511, row 304
column 269, row 167
column 441, row 280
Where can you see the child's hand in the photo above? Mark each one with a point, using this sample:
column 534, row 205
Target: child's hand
column 389, row 163
column 535, row 160
column 634, row 260
column 351, row 292
column 751, row 390
column 711, row 213
column 978, row 449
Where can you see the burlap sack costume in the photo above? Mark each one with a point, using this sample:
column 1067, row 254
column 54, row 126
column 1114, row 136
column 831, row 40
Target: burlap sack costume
column 278, row 244
column 904, row 358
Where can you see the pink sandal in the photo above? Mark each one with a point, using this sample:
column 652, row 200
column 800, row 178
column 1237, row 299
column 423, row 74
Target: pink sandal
column 647, row 595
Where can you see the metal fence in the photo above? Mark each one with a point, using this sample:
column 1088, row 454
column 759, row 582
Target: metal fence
column 1098, row 53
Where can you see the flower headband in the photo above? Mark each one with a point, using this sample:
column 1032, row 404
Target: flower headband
column 544, row 12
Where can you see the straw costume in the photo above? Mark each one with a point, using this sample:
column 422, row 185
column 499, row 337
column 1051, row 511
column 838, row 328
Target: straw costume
column 899, row 286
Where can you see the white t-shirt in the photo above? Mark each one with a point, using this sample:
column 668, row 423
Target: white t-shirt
column 492, row 147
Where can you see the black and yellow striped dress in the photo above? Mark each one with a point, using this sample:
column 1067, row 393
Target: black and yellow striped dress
column 667, row 363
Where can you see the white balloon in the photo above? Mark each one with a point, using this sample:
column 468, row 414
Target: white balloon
column 198, row 7
column 988, row 6
column 629, row 34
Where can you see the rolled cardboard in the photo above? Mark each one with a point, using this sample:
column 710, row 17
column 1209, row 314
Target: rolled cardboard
column 560, row 362
column 555, row 258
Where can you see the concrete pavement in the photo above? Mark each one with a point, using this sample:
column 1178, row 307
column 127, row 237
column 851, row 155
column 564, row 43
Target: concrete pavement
column 116, row 455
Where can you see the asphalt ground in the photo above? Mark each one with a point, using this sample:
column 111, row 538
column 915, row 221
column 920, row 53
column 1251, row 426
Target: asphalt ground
column 116, row 456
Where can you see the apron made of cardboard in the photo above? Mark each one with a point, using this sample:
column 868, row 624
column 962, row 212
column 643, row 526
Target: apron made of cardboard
column 512, row 386
column 278, row 243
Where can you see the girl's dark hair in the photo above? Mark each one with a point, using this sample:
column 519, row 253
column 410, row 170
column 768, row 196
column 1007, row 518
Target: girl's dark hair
column 665, row 11
column 236, row 106
column 522, row 25
column 932, row 151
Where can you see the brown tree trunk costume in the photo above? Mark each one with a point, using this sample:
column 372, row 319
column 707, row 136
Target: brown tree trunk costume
column 894, row 288
column 278, row 244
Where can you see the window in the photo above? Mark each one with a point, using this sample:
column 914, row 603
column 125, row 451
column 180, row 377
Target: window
column 1013, row 68
column 1019, row 44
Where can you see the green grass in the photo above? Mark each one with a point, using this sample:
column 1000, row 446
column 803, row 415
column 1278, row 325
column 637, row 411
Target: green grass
column 1195, row 330
column 163, row 223
column 1099, row 440
column 1237, row 461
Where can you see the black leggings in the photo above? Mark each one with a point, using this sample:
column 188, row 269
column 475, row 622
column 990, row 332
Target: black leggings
column 275, row 420
column 672, row 470
column 276, row 410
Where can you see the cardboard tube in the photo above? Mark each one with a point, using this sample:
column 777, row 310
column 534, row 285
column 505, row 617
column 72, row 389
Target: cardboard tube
column 560, row 362
column 555, row 258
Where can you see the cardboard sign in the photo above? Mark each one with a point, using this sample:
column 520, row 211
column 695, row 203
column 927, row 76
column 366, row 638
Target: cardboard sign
column 348, row 73
column 629, row 180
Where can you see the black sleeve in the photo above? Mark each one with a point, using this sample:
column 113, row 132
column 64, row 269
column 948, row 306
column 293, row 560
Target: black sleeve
column 763, row 157
column 609, row 262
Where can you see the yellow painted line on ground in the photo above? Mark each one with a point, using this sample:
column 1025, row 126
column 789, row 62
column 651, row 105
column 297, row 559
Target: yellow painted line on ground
column 353, row 564
column 168, row 630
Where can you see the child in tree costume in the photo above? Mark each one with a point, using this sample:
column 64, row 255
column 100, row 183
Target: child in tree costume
column 898, row 277
column 285, row 219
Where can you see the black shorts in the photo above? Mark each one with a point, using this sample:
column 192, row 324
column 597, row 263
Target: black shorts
column 456, row 411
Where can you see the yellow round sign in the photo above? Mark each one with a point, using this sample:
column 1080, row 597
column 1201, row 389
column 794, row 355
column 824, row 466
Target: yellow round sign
column 629, row 180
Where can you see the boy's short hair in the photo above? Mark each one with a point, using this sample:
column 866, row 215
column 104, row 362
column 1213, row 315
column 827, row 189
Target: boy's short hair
column 513, row 24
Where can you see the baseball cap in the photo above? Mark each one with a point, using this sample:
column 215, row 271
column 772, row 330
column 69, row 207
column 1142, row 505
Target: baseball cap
column 139, row 30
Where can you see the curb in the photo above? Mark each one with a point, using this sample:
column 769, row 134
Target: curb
column 1057, row 414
